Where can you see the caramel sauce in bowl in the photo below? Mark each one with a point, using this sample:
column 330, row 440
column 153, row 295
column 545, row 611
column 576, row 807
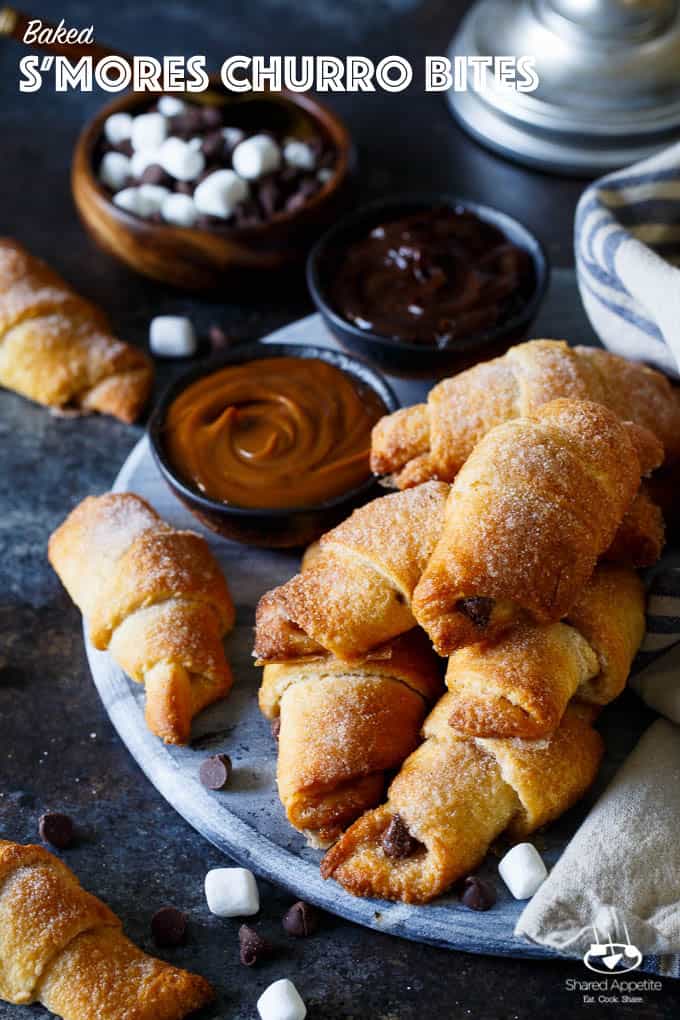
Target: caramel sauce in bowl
column 269, row 444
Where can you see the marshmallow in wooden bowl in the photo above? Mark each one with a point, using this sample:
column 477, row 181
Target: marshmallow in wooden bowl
column 625, row 239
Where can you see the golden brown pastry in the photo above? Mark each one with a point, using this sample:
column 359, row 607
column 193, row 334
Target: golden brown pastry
column 536, row 504
column 519, row 685
column 61, row 946
column 434, row 440
column 58, row 349
column 354, row 591
column 453, row 797
column 155, row 597
column 343, row 726
column 641, row 534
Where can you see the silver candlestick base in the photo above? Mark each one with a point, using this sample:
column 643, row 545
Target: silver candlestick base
column 609, row 72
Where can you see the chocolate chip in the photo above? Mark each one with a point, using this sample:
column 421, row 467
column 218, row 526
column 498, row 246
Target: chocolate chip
column 301, row 920
column 269, row 195
column 186, row 124
column 308, row 187
column 154, row 174
column 218, row 338
column 56, row 829
column 212, row 145
column 276, row 728
column 253, row 947
column 478, row 894
column 211, row 116
column 215, row 771
column 169, row 927
column 124, row 147
column 477, row 608
column 397, row 841
column 184, row 187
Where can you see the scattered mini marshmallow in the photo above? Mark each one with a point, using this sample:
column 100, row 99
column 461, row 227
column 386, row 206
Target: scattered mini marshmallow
column 325, row 174
column 523, row 871
column 118, row 128
column 151, row 198
column 255, row 157
column 220, row 193
column 141, row 160
column 232, row 136
column 181, row 159
column 230, row 892
column 281, row 1001
column 114, row 170
column 170, row 106
column 174, row 336
column 149, row 131
column 180, row 210
column 299, row 154
column 129, row 200
column 195, row 143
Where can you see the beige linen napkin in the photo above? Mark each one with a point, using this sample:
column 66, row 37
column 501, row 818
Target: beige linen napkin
column 621, row 871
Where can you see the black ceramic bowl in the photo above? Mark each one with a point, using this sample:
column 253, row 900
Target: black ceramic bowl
column 273, row 528
column 419, row 360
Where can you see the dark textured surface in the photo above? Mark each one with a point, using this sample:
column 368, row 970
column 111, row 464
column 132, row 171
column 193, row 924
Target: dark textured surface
column 57, row 748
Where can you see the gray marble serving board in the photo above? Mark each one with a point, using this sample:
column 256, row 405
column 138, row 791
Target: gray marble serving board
column 247, row 820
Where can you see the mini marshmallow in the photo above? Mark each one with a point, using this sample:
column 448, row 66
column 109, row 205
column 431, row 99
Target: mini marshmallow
column 299, row 154
column 325, row 174
column 180, row 210
column 231, row 892
column 181, row 160
column 151, row 198
column 232, row 136
column 195, row 143
column 118, row 127
column 114, row 170
column 523, row 871
column 220, row 193
column 141, row 160
column 129, row 200
column 281, row 1001
column 256, row 157
column 170, row 106
column 174, row 336
column 149, row 131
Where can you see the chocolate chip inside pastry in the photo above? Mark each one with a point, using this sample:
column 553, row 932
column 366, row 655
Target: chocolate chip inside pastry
column 477, row 608
column 397, row 841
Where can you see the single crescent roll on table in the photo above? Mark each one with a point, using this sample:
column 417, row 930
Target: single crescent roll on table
column 155, row 598
column 453, row 797
column 57, row 349
column 342, row 727
column 536, row 504
column 520, row 685
column 434, row 440
column 64, row 948
column 354, row 591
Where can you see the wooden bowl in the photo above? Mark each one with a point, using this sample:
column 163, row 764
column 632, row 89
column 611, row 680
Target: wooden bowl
column 201, row 259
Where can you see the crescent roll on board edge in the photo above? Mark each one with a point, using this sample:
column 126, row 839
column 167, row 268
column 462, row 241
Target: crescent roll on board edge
column 57, row 349
column 64, row 948
column 538, row 501
column 155, row 597
column 342, row 727
column 453, row 797
column 433, row 440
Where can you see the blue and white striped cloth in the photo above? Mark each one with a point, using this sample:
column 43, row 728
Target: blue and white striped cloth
column 658, row 682
column 627, row 248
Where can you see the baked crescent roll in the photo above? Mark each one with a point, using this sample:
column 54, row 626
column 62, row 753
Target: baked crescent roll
column 434, row 440
column 155, row 598
column 453, row 797
column 354, row 591
column 58, row 349
column 64, row 948
column 343, row 726
column 536, row 504
column 520, row 685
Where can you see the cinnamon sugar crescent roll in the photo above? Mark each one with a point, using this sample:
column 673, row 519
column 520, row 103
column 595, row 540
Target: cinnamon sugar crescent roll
column 342, row 727
column 155, row 598
column 57, row 348
column 536, row 504
column 453, row 797
column 64, row 948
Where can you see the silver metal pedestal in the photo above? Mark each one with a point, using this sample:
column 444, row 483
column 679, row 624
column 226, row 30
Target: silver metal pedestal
column 609, row 73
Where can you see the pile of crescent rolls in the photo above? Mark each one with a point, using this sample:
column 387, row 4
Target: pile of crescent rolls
column 464, row 631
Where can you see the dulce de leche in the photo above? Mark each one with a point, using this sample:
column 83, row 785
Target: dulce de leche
column 273, row 433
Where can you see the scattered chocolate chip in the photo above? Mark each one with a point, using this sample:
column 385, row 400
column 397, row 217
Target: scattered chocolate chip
column 186, row 124
column 246, row 214
column 124, row 147
column 397, row 841
column 56, row 829
column 308, row 187
column 301, row 920
column 276, row 728
column 269, row 195
column 212, row 145
column 477, row 608
column 215, row 771
column 184, row 187
column 154, row 174
column 218, row 338
column 169, row 927
column 253, row 947
column 211, row 116
column 478, row 894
